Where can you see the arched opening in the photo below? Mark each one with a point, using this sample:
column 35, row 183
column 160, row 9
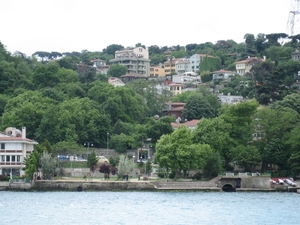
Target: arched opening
column 228, row 188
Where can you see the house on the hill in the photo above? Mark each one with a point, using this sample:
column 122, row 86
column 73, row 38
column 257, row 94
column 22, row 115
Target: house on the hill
column 222, row 74
column 192, row 124
column 245, row 66
column 175, row 109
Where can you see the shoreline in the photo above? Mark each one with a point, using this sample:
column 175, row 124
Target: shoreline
column 135, row 185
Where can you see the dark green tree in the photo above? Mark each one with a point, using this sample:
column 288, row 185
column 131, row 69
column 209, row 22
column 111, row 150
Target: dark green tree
column 117, row 70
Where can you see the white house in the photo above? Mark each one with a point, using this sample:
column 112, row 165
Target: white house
column 14, row 148
column 230, row 99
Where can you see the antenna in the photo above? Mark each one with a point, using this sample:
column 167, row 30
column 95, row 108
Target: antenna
column 294, row 18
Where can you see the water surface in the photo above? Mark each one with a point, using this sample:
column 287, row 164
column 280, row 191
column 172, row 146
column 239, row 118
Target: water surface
column 149, row 208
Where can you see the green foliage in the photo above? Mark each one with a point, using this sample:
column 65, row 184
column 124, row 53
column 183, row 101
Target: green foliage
column 176, row 152
column 114, row 162
column 48, row 164
column 27, row 110
column 206, row 76
column 92, row 159
column 117, row 70
column 120, row 142
column 198, row 107
column 75, row 121
column 216, row 133
column 125, row 166
column 210, row 64
column 246, row 156
column 156, row 128
column 212, row 167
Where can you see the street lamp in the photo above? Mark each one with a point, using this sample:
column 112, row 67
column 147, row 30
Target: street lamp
column 107, row 134
column 88, row 144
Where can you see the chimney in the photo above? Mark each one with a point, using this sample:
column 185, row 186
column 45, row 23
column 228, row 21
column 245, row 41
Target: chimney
column 23, row 132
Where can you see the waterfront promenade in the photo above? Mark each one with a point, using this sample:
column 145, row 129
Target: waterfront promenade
column 98, row 184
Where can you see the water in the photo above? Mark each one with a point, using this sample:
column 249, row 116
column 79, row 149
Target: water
column 172, row 208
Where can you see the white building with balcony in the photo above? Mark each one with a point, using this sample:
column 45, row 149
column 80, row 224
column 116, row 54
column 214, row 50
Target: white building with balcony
column 14, row 148
column 135, row 59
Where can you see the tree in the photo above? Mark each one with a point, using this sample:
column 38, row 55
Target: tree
column 240, row 116
column 275, row 126
column 198, row 107
column 156, row 128
column 46, row 75
column 246, row 156
column 48, row 164
column 213, row 165
column 215, row 133
column 105, row 168
column 111, row 49
column 92, row 159
column 273, row 38
column 123, row 103
column 177, row 153
column 75, row 121
column 27, row 110
column 125, row 166
column 117, row 70
column 120, row 142
column 250, row 44
column 294, row 143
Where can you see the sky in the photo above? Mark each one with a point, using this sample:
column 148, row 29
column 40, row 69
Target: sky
column 76, row 25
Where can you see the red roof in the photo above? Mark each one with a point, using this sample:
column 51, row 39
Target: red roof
column 191, row 123
column 15, row 139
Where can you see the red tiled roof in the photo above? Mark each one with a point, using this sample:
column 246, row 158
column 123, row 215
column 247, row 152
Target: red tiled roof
column 222, row 71
column 179, row 108
column 15, row 139
column 191, row 123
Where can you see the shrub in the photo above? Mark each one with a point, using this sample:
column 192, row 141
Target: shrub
column 172, row 175
column 197, row 176
column 1, row 177
column 161, row 174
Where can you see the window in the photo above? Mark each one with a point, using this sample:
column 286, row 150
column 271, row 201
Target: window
column 2, row 146
column 8, row 158
column 13, row 158
column 3, row 158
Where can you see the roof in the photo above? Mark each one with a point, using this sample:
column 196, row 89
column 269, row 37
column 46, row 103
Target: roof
column 249, row 60
column 176, row 103
column 17, row 139
column 134, row 75
column 222, row 71
column 177, row 109
column 173, row 84
column 191, row 123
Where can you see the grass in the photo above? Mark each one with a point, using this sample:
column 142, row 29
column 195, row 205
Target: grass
column 75, row 164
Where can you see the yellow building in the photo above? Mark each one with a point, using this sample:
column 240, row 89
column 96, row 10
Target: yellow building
column 156, row 71
column 175, row 89
column 245, row 66
column 170, row 66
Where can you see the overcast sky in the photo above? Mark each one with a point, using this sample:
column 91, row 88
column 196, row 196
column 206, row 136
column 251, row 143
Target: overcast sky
column 76, row 25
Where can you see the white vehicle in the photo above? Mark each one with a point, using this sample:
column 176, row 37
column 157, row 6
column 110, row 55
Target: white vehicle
column 102, row 159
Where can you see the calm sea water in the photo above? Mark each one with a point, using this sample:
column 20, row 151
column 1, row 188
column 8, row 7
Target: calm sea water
column 148, row 208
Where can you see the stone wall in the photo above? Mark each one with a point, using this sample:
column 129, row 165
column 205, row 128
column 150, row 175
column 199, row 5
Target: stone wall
column 256, row 182
column 46, row 185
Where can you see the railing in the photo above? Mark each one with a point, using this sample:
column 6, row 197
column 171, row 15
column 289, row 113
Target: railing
column 25, row 180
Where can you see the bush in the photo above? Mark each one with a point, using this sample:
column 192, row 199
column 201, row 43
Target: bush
column 1, row 177
column 172, row 175
column 161, row 174
column 197, row 176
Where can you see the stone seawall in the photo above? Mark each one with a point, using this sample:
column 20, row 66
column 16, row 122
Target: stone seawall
column 91, row 186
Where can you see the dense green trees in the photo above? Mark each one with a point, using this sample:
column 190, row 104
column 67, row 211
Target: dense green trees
column 117, row 70
column 176, row 152
column 55, row 101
